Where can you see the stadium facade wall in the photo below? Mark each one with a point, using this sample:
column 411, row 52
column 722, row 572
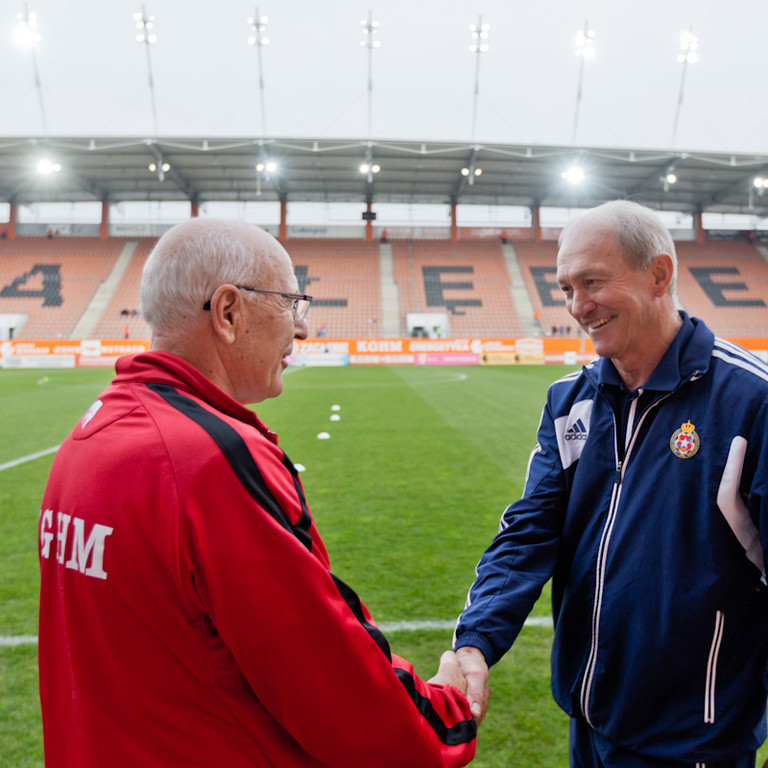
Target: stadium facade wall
column 395, row 232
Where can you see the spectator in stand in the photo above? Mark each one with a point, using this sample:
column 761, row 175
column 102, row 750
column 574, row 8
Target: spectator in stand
column 646, row 502
column 188, row 613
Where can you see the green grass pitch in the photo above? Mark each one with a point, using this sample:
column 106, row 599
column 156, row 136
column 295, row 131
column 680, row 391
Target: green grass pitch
column 407, row 492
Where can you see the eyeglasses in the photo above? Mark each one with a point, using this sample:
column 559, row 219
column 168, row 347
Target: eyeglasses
column 299, row 301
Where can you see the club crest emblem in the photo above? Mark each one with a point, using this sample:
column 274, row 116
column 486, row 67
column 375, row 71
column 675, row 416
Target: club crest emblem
column 685, row 442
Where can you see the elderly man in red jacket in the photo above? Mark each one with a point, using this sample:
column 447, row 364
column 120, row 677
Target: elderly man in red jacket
column 188, row 613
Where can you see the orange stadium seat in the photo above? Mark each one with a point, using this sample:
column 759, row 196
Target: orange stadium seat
column 344, row 278
column 53, row 280
column 469, row 281
column 121, row 317
column 538, row 264
column 726, row 284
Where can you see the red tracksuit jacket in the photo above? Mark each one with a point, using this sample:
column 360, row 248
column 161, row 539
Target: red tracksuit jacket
column 188, row 615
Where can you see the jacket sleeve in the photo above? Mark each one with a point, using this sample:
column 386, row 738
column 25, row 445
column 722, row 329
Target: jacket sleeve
column 755, row 485
column 522, row 556
column 305, row 644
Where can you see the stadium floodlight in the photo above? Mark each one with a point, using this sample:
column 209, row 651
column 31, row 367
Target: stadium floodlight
column 46, row 166
column 585, row 43
column 370, row 28
column 471, row 171
column 369, row 168
column 669, row 177
column 145, row 24
column 161, row 167
column 257, row 25
column 479, row 33
column 264, row 168
column 689, row 46
column 26, row 34
column 759, row 184
column 573, row 175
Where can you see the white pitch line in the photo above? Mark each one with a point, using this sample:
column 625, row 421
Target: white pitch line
column 31, row 457
column 385, row 626
column 413, row 626
column 13, row 640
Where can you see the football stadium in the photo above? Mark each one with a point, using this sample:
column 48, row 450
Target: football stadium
column 437, row 324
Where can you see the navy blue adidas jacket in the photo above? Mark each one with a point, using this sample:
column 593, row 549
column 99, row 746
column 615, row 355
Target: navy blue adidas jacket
column 649, row 510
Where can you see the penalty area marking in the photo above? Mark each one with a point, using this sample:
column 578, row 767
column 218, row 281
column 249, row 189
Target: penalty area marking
column 384, row 626
column 31, row 457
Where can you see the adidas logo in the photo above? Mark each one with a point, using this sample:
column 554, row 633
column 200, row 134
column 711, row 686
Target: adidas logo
column 577, row 432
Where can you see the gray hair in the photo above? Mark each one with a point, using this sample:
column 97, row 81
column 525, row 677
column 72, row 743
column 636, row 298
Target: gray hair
column 638, row 230
column 189, row 263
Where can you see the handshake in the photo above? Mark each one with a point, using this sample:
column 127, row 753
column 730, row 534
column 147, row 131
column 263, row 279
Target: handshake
column 466, row 670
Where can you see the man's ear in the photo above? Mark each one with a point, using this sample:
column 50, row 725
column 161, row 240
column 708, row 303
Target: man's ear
column 226, row 312
column 663, row 271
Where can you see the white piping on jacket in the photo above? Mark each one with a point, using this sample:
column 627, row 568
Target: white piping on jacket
column 714, row 650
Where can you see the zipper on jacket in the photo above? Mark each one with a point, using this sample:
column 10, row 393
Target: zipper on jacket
column 622, row 455
column 710, row 685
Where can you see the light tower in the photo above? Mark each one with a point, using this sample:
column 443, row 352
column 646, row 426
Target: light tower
column 478, row 46
column 27, row 36
column 258, row 26
column 145, row 24
column 585, row 50
column 370, row 28
column 689, row 47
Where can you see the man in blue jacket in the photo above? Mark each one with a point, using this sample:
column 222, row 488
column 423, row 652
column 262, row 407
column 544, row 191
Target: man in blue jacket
column 646, row 502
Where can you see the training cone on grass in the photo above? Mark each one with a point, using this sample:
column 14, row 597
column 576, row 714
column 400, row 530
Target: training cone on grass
column 323, row 436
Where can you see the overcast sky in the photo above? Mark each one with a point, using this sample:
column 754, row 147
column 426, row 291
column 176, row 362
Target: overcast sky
column 94, row 75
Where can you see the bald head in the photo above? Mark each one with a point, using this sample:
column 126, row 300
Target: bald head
column 194, row 258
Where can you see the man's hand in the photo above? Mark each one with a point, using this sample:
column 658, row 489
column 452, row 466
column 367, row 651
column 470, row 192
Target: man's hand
column 449, row 673
column 475, row 670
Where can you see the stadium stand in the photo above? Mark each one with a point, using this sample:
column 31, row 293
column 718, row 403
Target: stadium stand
column 537, row 264
column 344, row 276
column 726, row 284
column 121, row 318
column 468, row 281
column 52, row 280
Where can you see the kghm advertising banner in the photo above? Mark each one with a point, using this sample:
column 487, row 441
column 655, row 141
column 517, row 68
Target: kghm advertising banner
column 65, row 353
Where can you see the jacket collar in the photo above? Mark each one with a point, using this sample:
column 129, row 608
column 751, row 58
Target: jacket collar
column 167, row 368
column 688, row 355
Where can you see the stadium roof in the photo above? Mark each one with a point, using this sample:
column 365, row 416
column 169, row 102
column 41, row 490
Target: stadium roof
column 116, row 169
